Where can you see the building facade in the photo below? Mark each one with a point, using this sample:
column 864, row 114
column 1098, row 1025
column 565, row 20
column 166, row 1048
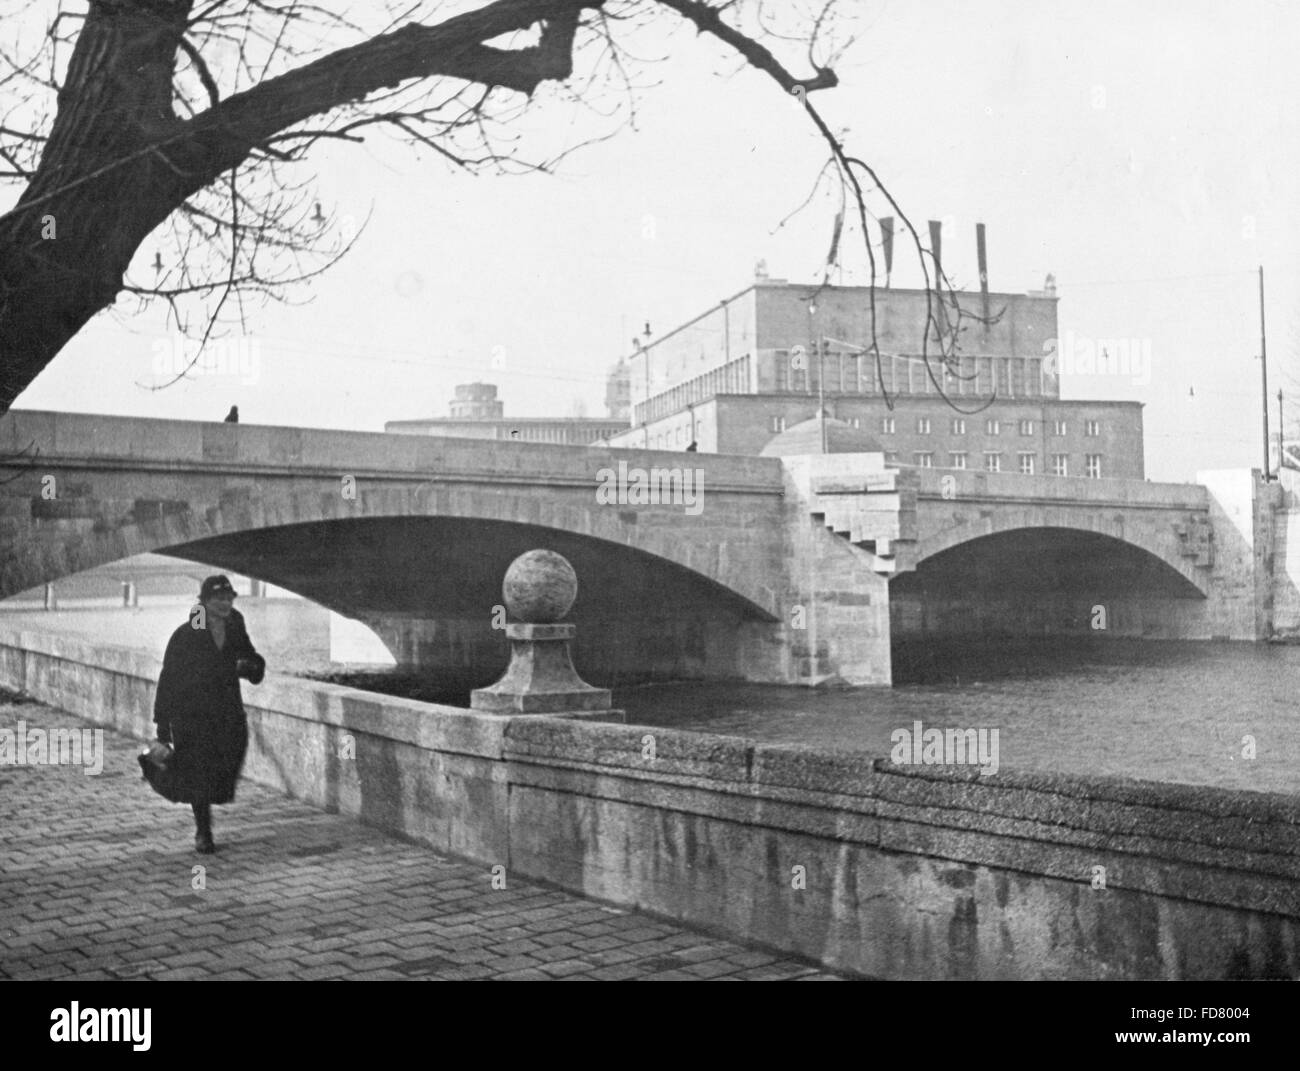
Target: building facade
column 1046, row 437
column 736, row 376
column 477, row 413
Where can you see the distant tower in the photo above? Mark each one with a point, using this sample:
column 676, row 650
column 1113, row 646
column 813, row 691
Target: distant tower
column 618, row 391
column 477, row 401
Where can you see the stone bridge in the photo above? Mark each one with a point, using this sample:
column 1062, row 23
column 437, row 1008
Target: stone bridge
column 778, row 571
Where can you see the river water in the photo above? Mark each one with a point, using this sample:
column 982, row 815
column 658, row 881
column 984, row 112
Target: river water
column 1158, row 711
column 1161, row 711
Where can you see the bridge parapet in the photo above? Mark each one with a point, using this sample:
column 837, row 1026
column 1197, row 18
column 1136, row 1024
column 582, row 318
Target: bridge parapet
column 37, row 438
column 952, row 484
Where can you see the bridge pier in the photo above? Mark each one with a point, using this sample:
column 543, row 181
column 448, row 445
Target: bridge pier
column 640, row 646
column 1243, row 507
column 847, row 521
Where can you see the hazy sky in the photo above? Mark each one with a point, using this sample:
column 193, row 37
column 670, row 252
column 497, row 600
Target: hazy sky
column 1145, row 153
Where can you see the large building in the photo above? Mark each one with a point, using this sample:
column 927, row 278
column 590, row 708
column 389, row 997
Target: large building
column 477, row 413
column 776, row 354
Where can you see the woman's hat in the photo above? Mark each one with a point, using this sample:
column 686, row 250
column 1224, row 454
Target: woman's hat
column 216, row 585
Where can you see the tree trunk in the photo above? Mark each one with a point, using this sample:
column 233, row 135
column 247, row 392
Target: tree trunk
column 103, row 184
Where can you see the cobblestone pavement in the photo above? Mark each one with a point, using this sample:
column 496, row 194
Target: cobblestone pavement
column 98, row 880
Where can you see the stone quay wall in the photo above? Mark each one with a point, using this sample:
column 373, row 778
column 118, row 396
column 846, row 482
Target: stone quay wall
column 890, row 872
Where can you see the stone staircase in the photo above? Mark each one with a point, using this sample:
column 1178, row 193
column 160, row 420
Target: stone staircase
column 872, row 510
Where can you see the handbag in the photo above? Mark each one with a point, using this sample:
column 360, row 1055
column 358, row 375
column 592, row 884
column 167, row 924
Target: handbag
column 158, row 766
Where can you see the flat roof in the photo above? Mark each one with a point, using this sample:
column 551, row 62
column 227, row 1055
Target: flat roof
column 513, row 421
column 816, row 289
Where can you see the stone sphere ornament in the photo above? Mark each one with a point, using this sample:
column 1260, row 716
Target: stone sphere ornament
column 540, row 587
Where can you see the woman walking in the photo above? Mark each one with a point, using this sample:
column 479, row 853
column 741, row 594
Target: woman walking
column 198, row 708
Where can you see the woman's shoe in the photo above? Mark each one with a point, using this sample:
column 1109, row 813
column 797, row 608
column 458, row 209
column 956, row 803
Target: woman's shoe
column 203, row 844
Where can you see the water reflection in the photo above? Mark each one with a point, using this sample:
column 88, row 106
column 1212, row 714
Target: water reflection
column 1161, row 711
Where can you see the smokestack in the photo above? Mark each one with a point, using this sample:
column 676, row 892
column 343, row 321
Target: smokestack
column 936, row 247
column 887, row 245
column 982, row 255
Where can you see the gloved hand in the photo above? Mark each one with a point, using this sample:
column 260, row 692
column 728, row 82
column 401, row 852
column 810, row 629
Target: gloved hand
column 251, row 669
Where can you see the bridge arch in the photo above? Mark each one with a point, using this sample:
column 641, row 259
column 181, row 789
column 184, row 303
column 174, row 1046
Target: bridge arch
column 661, row 596
column 1157, row 538
column 691, row 543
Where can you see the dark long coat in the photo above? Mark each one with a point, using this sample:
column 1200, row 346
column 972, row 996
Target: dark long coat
column 198, row 708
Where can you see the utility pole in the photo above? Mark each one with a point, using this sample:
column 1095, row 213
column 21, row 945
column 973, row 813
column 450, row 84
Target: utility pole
column 1281, row 434
column 1263, row 367
column 821, row 373
column 821, row 387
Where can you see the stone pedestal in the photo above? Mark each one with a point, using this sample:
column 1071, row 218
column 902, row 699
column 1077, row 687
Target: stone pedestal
column 540, row 678
column 540, row 587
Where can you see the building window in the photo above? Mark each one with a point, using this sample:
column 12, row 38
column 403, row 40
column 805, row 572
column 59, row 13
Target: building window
column 1017, row 376
column 924, row 459
column 1092, row 428
column 1026, row 464
column 1026, row 427
column 1058, row 427
column 957, row 461
column 958, row 426
column 887, row 425
column 1092, row 465
column 1060, row 465
column 891, row 457
column 992, row 462
column 778, row 423
column 991, row 427
column 923, row 425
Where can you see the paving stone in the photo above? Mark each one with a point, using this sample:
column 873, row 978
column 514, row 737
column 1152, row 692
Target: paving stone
column 610, row 956
column 521, row 946
column 511, row 963
column 712, row 969
column 599, row 944
column 617, row 972
column 566, row 967
column 329, row 970
column 112, row 898
column 755, row 958
column 468, row 972
column 181, row 974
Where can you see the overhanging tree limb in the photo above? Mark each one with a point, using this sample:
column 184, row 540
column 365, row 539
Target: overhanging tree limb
column 451, row 49
column 119, row 161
